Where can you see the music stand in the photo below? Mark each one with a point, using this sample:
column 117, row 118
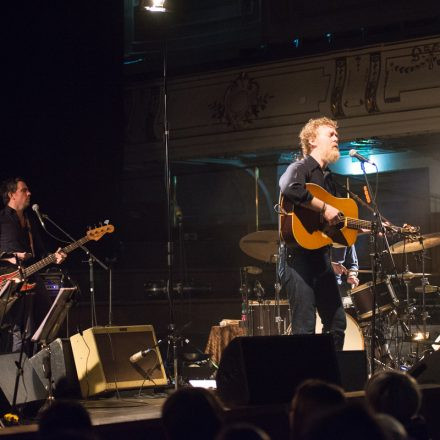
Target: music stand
column 48, row 330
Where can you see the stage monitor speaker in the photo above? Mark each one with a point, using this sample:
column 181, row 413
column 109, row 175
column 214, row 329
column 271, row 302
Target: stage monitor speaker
column 62, row 366
column 31, row 393
column 353, row 369
column 427, row 369
column 267, row 369
column 102, row 359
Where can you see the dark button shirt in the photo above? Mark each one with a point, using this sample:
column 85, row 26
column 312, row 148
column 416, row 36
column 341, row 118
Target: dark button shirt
column 15, row 238
column 297, row 174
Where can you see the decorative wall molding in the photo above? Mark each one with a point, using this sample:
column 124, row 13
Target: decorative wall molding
column 241, row 103
column 263, row 106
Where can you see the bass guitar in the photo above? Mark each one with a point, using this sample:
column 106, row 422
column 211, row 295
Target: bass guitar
column 17, row 276
column 307, row 228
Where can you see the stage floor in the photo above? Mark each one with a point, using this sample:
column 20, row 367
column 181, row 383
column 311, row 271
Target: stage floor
column 126, row 408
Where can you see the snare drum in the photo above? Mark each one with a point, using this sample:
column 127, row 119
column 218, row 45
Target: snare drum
column 262, row 316
column 354, row 338
column 362, row 297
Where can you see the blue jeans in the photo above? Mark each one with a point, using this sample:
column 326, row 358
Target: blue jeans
column 308, row 278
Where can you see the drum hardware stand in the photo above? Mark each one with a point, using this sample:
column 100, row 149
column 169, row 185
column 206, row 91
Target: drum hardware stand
column 279, row 321
column 411, row 309
column 244, row 291
column 259, row 291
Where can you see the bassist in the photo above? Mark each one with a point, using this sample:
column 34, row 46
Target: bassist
column 307, row 275
column 21, row 242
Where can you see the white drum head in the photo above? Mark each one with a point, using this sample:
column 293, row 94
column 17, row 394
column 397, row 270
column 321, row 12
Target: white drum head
column 354, row 339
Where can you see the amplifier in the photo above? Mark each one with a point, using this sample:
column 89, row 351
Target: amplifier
column 102, row 359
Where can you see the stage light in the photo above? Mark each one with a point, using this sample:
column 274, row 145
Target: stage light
column 154, row 5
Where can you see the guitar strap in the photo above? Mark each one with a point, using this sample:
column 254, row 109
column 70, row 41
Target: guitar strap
column 31, row 239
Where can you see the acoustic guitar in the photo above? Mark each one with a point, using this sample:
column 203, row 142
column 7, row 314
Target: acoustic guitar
column 301, row 225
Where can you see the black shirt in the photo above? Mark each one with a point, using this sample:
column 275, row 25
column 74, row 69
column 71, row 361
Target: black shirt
column 297, row 174
column 15, row 238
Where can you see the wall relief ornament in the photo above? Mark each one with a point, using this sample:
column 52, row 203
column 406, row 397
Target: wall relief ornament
column 373, row 83
column 242, row 103
column 338, row 88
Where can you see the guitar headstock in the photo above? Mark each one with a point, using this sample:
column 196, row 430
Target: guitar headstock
column 97, row 233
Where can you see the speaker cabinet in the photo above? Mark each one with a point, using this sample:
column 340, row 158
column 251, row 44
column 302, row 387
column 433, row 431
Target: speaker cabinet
column 31, row 393
column 102, row 362
column 427, row 369
column 62, row 368
column 353, row 368
column 267, row 369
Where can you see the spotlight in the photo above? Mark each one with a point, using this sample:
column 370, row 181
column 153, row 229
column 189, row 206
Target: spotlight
column 154, row 5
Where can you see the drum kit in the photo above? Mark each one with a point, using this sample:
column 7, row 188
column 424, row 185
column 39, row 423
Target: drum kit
column 400, row 316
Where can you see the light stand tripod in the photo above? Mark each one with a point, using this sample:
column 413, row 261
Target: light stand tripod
column 173, row 338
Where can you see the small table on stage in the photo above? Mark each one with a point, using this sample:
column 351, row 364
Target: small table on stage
column 219, row 338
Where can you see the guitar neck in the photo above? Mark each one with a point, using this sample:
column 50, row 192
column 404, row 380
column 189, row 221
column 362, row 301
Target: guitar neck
column 28, row 271
column 354, row 223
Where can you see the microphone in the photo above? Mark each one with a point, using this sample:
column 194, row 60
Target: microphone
column 354, row 153
column 36, row 209
column 135, row 358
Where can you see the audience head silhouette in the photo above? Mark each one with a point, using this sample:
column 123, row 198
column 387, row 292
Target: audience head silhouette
column 347, row 422
column 191, row 413
column 312, row 398
column 394, row 393
column 65, row 419
column 242, row 431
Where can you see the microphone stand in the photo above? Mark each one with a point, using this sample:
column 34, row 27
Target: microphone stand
column 376, row 228
column 91, row 259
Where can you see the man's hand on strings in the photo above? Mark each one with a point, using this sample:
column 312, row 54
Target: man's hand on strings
column 331, row 215
column 60, row 256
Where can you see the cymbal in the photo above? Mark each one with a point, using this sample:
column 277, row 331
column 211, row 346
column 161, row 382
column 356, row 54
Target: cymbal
column 262, row 245
column 429, row 288
column 415, row 245
column 405, row 275
column 410, row 275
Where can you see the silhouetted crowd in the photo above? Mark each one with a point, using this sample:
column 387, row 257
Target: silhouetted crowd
column 319, row 410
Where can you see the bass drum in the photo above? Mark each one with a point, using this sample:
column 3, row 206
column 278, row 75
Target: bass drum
column 354, row 338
